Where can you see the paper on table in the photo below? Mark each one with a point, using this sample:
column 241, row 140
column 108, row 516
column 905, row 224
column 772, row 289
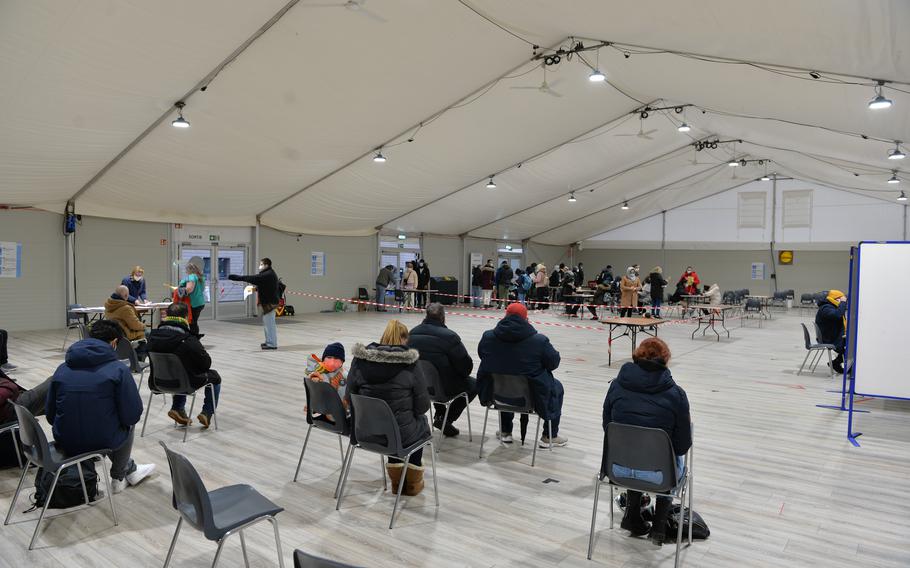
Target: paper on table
column 248, row 291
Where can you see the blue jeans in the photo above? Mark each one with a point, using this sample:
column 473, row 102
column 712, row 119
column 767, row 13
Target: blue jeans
column 380, row 297
column 475, row 292
column 271, row 329
column 654, row 477
column 208, row 407
column 655, row 306
column 521, row 296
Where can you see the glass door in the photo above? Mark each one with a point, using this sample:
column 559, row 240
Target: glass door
column 223, row 298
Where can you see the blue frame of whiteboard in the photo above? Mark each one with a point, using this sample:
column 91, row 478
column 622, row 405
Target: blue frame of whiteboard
column 851, row 349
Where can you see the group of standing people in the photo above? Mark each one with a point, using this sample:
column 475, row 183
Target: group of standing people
column 414, row 282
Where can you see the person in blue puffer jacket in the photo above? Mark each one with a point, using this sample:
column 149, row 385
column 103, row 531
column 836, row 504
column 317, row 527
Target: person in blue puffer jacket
column 93, row 404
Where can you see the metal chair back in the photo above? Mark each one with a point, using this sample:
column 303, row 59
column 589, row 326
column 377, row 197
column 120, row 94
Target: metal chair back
column 168, row 375
column 806, row 336
column 434, row 385
column 512, row 393
column 126, row 352
column 375, row 427
column 304, row 560
column 190, row 497
column 34, row 442
column 753, row 304
column 643, row 449
column 322, row 398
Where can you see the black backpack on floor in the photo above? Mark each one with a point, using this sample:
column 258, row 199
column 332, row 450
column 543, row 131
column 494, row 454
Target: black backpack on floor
column 700, row 529
column 68, row 492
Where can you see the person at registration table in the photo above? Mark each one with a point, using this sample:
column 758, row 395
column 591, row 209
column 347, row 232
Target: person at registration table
column 690, row 281
column 266, row 283
column 831, row 319
column 119, row 309
column 135, row 283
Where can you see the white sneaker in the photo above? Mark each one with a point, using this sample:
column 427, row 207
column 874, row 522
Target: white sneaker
column 117, row 485
column 504, row 438
column 558, row 441
column 143, row 470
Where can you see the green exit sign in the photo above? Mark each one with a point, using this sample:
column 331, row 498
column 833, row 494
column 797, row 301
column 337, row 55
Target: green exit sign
column 214, row 238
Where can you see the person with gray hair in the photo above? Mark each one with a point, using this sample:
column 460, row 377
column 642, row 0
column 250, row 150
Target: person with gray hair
column 119, row 309
column 444, row 349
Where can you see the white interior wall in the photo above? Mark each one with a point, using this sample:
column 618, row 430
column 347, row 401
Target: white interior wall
column 350, row 262
column 108, row 249
column 550, row 255
column 37, row 299
column 443, row 256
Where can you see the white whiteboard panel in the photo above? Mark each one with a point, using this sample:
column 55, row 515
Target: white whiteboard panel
column 881, row 321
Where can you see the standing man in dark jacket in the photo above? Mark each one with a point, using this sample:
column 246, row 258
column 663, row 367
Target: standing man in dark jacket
column 580, row 276
column 443, row 348
column 423, row 283
column 383, row 281
column 266, row 283
column 514, row 347
column 644, row 394
column 93, row 403
column 504, row 275
column 831, row 319
column 657, row 282
column 173, row 336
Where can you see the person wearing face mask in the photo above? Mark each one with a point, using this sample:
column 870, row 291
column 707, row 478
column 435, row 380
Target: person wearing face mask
column 690, row 280
column 423, row 282
column 266, row 283
column 629, row 286
column 135, row 283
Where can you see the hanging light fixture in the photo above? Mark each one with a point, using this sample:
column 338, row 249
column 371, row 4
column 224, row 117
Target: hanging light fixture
column 509, row 248
column 733, row 163
column 765, row 178
column 491, row 184
column 894, row 179
column 684, row 127
column 880, row 101
column 625, row 206
column 896, row 153
column 379, row 158
column 572, row 197
column 402, row 236
column 902, row 197
column 596, row 76
column 180, row 122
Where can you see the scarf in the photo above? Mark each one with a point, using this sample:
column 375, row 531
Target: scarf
column 833, row 297
column 175, row 319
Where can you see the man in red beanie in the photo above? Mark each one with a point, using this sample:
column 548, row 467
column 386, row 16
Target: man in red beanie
column 514, row 347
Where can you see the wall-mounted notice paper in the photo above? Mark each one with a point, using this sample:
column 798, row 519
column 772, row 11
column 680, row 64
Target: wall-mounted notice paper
column 10, row 259
column 317, row 264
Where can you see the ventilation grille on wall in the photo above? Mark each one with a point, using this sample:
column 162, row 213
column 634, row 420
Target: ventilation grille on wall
column 751, row 210
column 797, row 209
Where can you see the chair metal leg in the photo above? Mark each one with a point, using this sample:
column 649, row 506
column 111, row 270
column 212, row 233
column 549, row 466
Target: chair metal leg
column 467, row 410
column 186, row 429
column 483, row 433
column 435, row 485
column 170, row 551
column 445, row 420
column 385, row 483
column 550, row 433
column 830, row 365
column 110, row 492
column 611, row 506
column 306, row 439
column 12, row 505
column 50, row 495
column 246, row 560
column 594, row 515
column 148, row 410
column 407, row 461
column 344, row 476
column 214, row 405
column 274, row 522
column 218, row 552
column 536, row 438
column 689, row 492
column 341, row 473
column 804, row 363
column 18, row 450
column 340, row 446
column 679, row 523
column 816, row 359
column 141, row 378
column 82, row 482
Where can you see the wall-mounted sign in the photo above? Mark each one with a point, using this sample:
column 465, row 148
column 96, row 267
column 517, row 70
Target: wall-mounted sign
column 194, row 237
column 758, row 271
column 214, row 238
column 164, row 242
column 785, row 257
column 317, row 263
column 10, row 259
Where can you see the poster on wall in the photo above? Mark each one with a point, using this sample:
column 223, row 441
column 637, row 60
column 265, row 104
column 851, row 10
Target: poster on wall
column 758, row 271
column 10, row 259
column 317, row 263
column 476, row 259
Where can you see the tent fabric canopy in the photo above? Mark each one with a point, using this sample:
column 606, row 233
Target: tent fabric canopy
column 285, row 132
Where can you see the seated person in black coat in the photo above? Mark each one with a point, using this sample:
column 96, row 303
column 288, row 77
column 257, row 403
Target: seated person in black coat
column 831, row 319
column 644, row 394
column 514, row 347
column 388, row 370
column 173, row 336
column 443, row 348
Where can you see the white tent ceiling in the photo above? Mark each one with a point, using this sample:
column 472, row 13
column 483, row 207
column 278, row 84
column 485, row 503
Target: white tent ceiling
column 293, row 120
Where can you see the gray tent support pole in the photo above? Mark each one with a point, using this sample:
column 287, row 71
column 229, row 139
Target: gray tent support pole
column 773, row 229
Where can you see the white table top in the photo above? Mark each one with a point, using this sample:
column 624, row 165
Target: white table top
column 139, row 308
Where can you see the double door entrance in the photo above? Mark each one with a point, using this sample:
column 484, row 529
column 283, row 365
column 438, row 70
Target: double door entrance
column 223, row 298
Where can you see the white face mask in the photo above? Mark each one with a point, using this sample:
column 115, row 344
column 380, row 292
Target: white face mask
column 137, row 278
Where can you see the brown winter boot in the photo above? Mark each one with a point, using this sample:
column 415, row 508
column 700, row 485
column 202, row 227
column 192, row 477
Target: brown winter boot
column 413, row 481
column 395, row 470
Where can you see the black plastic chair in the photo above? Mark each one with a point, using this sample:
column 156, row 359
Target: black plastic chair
column 126, row 353
column 643, row 449
column 322, row 398
column 220, row 513
column 512, row 393
column 816, row 350
column 304, row 560
column 376, row 430
column 74, row 321
column 13, row 429
column 41, row 453
column 753, row 307
column 167, row 375
column 399, row 299
column 438, row 395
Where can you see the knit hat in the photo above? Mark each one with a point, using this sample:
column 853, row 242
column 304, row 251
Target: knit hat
column 834, row 295
column 519, row 309
column 335, row 350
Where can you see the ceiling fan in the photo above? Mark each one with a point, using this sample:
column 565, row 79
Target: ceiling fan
column 641, row 131
column 544, row 87
column 353, row 6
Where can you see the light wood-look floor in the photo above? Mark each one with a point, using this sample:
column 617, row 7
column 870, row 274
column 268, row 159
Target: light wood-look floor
column 776, row 479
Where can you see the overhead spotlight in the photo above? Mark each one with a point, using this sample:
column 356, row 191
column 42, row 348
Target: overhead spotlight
column 814, row 74
column 683, row 127
column 902, row 197
column 765, row 178
column 353, row 5
column 880, row 101
column 508, row 247
column 572, row 197
column 379, row 158
column 733, row 163
column 491, row 184
column 894, row 179
column 180, row 122
column 896, row 153
column 625, row 206
column 596, row 76
column 402, row 236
